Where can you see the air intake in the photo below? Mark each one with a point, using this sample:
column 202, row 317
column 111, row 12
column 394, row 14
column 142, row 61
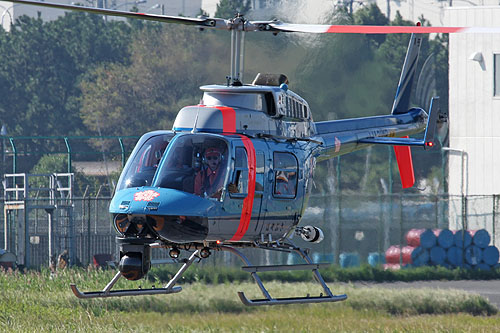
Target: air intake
column 264, row 79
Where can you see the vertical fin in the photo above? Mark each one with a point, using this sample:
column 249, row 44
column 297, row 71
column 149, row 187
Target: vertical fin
column 430, row 130
column 405, row 164
column 403, row 93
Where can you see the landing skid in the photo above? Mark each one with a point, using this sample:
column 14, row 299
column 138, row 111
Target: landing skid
column 170, row 287
column 268, row 299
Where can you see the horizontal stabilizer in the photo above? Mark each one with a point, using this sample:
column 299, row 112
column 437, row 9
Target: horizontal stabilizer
column 427, row 142
column 405, row 141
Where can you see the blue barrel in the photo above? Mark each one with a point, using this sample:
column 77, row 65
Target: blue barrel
column 349, row 260
column 482, row 266
column 462, row 239
column 322, row 257
column 437, row 255
column 491, row 255
column 375, row 259
column 420, row 256
column 473, row 255
column 446, row 265
column 327, row 257
column 454, row 255
column 445, row 239
column 294, row 258
column 428, row 239
column 481, row 238
column 316, row 257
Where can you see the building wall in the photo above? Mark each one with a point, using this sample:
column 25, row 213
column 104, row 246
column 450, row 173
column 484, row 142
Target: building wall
column 170, row 7
column 432, row 10
column 474, row 121
column 474, row 111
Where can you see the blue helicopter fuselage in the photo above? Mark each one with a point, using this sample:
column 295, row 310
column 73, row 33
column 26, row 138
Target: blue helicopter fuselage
column 268, row 146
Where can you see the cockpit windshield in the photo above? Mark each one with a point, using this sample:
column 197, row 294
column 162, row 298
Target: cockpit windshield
column 195, row 164
column 141, row 169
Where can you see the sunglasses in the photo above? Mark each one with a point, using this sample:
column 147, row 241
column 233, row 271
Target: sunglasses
column 210, row 158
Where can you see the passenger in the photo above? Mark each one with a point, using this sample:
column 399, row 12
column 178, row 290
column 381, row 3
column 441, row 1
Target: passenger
column 282, row 184
column 292, row 182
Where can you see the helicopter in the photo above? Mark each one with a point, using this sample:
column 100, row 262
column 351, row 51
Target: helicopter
column 236, row 170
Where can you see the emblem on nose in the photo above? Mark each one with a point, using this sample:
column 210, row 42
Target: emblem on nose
column 146, row 195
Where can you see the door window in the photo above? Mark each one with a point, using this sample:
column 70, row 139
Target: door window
column 285, row 175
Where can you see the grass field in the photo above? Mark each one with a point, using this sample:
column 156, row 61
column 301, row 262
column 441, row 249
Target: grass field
column 41, row 302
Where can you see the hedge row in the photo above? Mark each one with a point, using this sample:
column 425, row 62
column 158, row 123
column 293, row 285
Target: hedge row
column 218, row 274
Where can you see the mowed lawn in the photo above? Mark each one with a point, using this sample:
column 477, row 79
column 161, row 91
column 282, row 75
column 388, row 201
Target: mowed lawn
column 42, row 302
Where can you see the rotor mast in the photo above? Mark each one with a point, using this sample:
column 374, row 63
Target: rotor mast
column 237, row 27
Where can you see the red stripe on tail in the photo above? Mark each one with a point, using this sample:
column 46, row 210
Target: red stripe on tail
column 405, row 164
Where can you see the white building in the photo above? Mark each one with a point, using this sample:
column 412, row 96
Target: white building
column 474, row 112
column 10, row 12
column 432, row 10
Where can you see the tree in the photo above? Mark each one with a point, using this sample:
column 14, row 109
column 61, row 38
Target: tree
column 229, row 8
column 166, row 69
column 347, row 76
column 371, row 15
column 41, row 68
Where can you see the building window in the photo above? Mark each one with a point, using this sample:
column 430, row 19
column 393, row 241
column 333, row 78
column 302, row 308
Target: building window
column 496, row 75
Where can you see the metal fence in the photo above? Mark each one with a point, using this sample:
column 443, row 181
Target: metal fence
column 358, row 224
column 365, row 224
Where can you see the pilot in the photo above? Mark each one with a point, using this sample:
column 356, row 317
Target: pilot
column 209, row 181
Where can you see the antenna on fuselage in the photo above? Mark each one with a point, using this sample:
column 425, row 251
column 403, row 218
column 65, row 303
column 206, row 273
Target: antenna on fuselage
column 194, row 130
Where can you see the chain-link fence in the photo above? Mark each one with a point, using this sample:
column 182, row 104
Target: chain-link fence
column 359, row 224
column 371, row 224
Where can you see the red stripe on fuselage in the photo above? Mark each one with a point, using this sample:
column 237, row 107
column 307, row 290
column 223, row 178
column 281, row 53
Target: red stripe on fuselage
column 228, row 118
column 246, row 211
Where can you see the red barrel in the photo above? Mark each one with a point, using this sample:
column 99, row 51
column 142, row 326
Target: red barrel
column 391, row 266
column 413, row 237
column 394, row 253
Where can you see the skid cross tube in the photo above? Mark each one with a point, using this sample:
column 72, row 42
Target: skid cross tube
column 268, row 300
column 107, row 292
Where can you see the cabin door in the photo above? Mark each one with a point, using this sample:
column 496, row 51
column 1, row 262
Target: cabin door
column 243, row 199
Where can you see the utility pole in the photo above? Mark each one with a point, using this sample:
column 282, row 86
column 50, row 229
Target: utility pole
column 3, row 133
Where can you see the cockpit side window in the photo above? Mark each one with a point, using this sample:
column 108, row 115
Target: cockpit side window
column 142, row 167
column 259, row 175
column 195, row 164
column 240, row 173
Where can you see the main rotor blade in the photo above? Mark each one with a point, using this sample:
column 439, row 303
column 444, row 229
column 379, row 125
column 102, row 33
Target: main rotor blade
column 375, row 29
column 270, row 26
column 203, row 22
